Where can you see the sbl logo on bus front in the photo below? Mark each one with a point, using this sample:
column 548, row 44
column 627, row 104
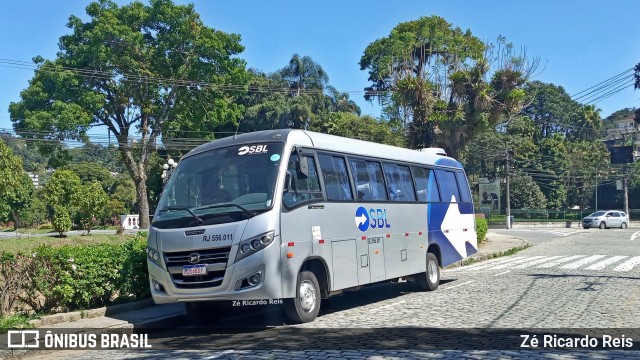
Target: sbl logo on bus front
column 376, row 218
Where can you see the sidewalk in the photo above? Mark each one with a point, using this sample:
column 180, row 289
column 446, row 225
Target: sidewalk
column 144, row 314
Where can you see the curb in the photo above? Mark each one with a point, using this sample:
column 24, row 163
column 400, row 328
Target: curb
column 476, row 258
column 53, row 319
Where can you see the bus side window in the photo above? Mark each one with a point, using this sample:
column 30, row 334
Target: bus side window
column 336, row 178
column 399, row 182
column 448, row 185
column 463, row 184
column 369, row 180
column 303, row 190
column 425, row 184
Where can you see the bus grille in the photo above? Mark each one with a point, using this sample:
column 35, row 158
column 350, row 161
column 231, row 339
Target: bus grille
column 216, row 260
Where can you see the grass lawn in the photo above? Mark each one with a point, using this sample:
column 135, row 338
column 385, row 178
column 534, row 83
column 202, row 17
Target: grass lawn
column 22, row 244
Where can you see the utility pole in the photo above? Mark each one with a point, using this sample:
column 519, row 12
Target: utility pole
column 626, row 190
column 596, row 191
column 507, row 181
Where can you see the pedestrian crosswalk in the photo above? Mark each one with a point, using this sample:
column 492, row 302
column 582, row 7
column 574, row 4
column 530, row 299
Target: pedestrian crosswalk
column 557, row 232
column 618, row 263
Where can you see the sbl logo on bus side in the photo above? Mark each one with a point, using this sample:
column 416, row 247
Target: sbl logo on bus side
column 376, row 218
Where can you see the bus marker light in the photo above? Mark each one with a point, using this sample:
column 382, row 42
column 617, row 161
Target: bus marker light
column 388, row 235
column 289, row 255
column 320, row 241
column 377, row 252
column 406, row 234
column 420, row 233
column 291, row 244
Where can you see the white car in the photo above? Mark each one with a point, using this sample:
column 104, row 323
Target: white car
column 606, row 219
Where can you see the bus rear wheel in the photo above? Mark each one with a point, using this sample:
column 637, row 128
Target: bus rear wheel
column 306, row 305
column 429, row 280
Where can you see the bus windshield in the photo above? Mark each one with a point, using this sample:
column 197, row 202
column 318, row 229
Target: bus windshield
column 220, row 185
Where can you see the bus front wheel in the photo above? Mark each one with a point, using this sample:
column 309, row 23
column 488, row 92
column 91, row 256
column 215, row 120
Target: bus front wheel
column 306, row 305
column 430, row 279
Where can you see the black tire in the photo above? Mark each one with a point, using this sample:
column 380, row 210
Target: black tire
column 429, row 280
column 623, row 225
column 306, row 305
column 603, row 225
column 203, row 312
column 585, row 227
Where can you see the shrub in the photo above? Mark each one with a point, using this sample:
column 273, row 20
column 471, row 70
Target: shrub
column 70, row 278
column 134, row 274
column 481, row 229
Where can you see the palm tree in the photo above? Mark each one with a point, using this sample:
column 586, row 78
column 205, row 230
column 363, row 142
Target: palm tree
column 303, row 73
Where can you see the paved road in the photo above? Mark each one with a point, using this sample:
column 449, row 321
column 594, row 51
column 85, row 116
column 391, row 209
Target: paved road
column 570, row 279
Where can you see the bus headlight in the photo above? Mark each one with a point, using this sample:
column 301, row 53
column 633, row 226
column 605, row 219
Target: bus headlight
column 253, row 245
column 153, row 255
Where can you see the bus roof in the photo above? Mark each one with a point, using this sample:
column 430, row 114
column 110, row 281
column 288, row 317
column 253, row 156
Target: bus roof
column 332, row 143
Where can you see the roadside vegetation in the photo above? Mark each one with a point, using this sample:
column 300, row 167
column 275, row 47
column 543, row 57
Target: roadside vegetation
column 53, row 275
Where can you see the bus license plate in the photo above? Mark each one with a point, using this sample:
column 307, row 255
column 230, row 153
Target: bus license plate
column 193, row 270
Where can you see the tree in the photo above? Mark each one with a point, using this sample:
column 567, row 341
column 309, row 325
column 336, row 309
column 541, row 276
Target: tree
column 303, row 73
column 431, row 76
column 90, row 200
column 60, row 191
column 143, row 71
column 34, row 213
column 554, row 111
column 90, row 172
column 61, row 219
column 19, row 198
column 525, row 193
column 16, row 188
column 340, row 102
column 360, row 127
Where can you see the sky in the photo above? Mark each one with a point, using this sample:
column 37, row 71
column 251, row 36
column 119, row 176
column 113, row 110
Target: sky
column 578, row 43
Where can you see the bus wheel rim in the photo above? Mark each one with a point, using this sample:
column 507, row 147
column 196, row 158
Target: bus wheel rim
column 307, row 296
column 433, row 272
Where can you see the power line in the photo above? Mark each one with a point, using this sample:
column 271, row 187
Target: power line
column 613, row 78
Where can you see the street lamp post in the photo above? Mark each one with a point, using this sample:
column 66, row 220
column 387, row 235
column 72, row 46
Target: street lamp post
column 168, row 168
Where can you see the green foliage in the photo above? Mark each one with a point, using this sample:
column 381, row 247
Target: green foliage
column 91, row 201
column 34, row 213
column 525, row 193
column 158, row 41
column 431, row 77
column 79, row 277
column 90, row 172
column 481, row 229
column 61, row 188
column 61, row 219
column 13, row 188
column 303, row 73
column 360, row 127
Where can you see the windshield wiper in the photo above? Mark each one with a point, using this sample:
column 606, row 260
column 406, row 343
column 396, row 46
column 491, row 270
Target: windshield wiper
column 198, row 219
column 213, row 206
